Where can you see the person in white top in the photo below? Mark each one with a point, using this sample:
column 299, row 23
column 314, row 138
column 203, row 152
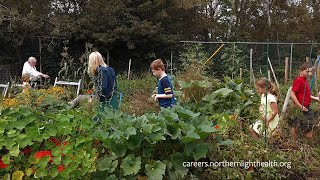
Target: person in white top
column 268, row 109
column 29, row 67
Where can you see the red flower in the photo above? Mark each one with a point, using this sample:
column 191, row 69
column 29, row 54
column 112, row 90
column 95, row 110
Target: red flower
column 89, row 91
column 26, row 151
column 41, row 154
column 60, row 168
column 2, row 165
column 216, row 126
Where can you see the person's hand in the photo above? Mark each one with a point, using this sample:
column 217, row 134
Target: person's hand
column 45, row 76
column 304, row 109
column 154, row 96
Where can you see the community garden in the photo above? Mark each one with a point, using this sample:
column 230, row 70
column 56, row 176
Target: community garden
column 42, row 137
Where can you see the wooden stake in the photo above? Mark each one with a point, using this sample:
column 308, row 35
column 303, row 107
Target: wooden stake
column 286, row 68
column 108, row 57
column 274, row 75
column 286, row 102
column 171, row 66
column 240, row 73
column 129, row 69
column 251, row 69
column 213, row 54
column 291, row 56
column 317, row 75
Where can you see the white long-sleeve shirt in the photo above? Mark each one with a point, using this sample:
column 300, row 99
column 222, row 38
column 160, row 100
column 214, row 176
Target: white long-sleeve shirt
column 32, row 71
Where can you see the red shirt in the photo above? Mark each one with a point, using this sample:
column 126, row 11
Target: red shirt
column 298, row 87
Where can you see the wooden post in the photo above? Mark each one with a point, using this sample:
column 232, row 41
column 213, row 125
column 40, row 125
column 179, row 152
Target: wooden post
column 251, row 69
column 40, row 58
column 213, row 54
column 129, row 69
column 286, row 102
column 291, row 49
column 171, row 63
column 108, row 56
column 318, row 70
column 316, row 74
column 286, row 66
column 240, row 73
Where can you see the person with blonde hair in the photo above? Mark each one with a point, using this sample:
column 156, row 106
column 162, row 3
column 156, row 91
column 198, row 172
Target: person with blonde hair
column 105, row 83
column 268, row 108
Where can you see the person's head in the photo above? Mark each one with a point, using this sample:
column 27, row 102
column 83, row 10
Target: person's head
column 95, row 60
column 157, row 67
column 32, row 61
column 263, row 85
column 25, row 77
column 305, row 70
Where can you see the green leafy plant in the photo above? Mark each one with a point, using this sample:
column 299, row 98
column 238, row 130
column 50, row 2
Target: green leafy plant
column 72, row 70
column 233, row 59
column 149, row 144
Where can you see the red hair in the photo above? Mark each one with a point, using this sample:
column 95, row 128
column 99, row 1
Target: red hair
column 157, row 64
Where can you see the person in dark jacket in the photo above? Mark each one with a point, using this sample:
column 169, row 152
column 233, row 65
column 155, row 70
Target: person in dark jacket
column 105, row 83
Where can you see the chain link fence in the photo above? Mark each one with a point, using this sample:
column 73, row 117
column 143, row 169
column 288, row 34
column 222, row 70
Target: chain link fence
column 235, row 59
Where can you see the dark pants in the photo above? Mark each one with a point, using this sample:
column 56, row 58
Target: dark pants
column 304, row 120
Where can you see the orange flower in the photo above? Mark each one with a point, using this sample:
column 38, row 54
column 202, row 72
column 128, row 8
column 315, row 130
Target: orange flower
column 90, row 91
column 2, row 165
column 216, row 126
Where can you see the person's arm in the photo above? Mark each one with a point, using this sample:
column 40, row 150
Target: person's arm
column 43, row 75
column 296, row 102
column 315, row 98
column 165, row 96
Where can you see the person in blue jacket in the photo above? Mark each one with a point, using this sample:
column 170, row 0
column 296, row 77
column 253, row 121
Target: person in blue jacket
column 105, row 83
column 165, row 94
